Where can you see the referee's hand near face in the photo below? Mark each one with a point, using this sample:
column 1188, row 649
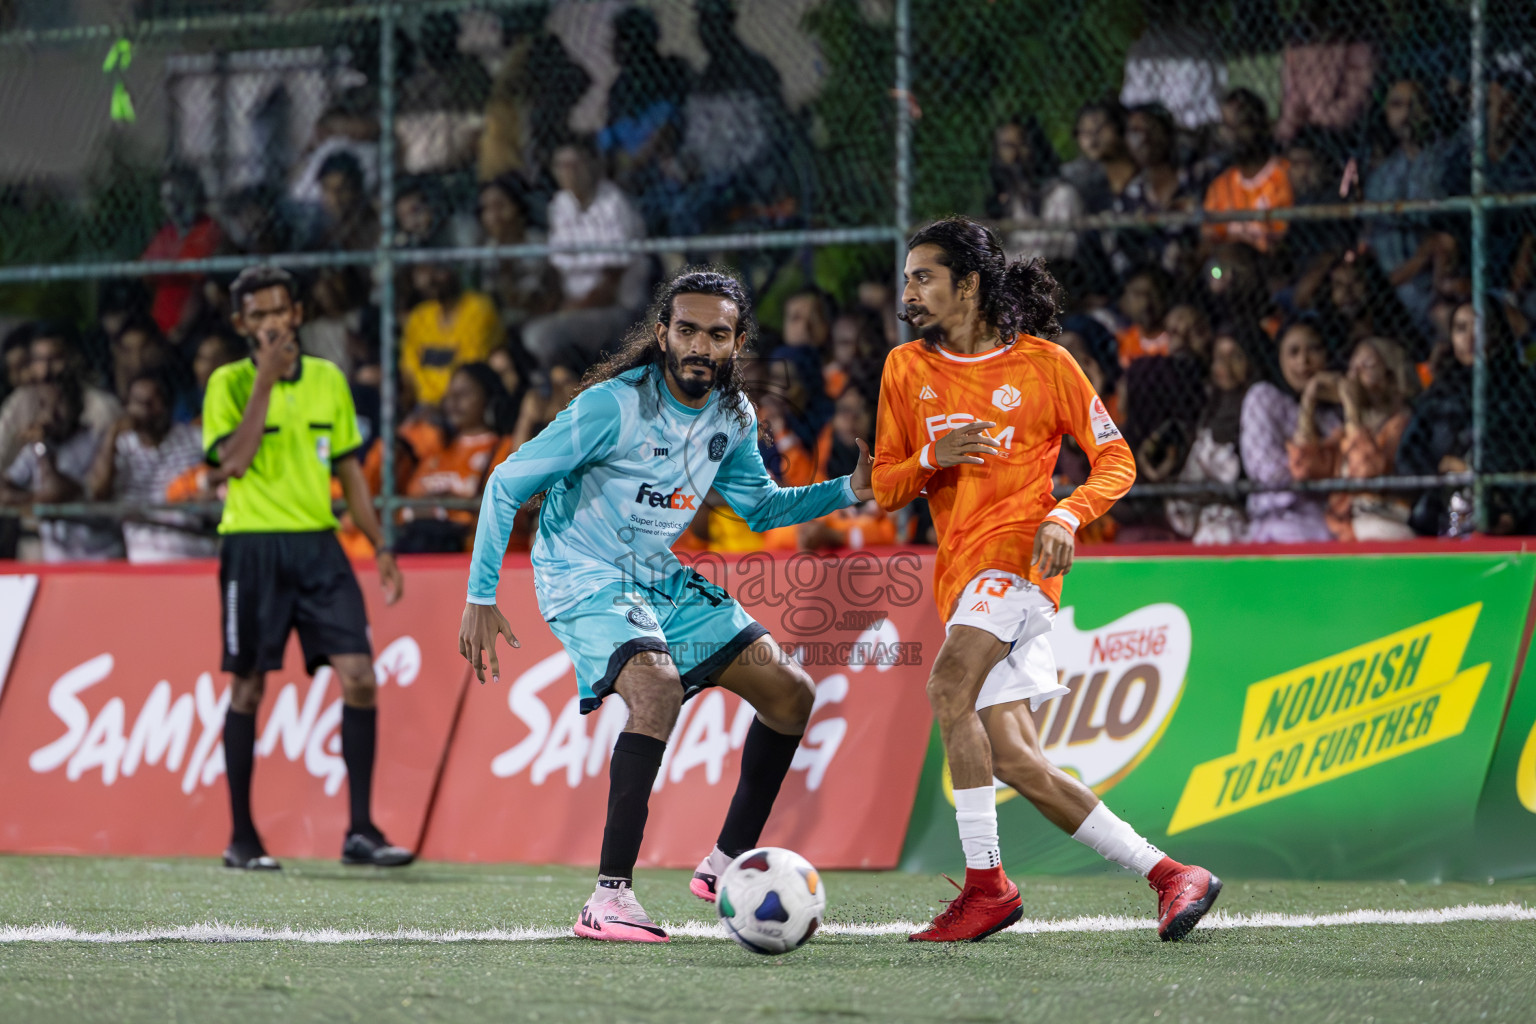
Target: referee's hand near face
column 271, row 320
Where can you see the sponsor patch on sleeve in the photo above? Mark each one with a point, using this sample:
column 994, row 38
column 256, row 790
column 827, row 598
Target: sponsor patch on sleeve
column 1104, row 428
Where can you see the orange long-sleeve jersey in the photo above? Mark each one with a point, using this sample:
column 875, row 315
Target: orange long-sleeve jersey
column 986, row 516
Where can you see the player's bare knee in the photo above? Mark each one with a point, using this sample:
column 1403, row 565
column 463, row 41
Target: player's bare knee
column 795, row 696
column 359, row 685
column 245, row 693
column 951, row 695
column 1025, row 770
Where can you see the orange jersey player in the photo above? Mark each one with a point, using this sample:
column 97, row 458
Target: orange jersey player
column 973, row 415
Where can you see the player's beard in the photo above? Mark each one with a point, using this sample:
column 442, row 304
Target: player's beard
column 932, row 334
column 692, row 386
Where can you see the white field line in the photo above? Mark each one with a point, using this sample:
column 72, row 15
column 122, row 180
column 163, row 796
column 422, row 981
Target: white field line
column 215, row 931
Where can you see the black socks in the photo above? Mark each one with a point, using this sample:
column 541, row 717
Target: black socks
column 239, row 757
column 359, row 737
column 765, row 760
column 631, row 773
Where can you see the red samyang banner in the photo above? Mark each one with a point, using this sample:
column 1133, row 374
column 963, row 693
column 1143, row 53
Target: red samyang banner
column 527, row 775
column 111, row 720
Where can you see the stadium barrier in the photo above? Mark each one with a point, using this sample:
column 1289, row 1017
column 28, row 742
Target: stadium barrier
column 1315, row 716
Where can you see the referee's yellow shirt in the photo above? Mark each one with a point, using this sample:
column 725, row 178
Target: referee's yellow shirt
column 311, row 424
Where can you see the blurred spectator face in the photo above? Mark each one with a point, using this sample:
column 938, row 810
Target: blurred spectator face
column 50, row 360
column 17, row 361
column 147, row 408
column 1096, row 135
column 135, row 351
column 413, row 215
column 1368, row 369
column 500, row 218
column 1077, row 346
column 1147, row 139
column 1302, row 355
column 1142, row 303
column 1240, row 132
column 1230, row 368
column 1189, row 330
column 574, row 172
column 464, row 404
column 58, row 411
column 1306, row 171
column 212, row 353
column 1464, row 335
column 1405, row 111
column 1009, row 147
column 180, row 200
column 339, row 194
column 852, row 417
column 805, row 322
column 439, row 283
column 506, row 368
column 846, row 343
column 1347, row 288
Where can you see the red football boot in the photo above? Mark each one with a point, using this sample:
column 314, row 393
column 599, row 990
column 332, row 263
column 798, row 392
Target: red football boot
column 1184, row 894
column 988, row 903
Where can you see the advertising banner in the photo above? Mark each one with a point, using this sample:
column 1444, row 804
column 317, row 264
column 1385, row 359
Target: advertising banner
column 1304, row 716
column 527, row 776
column 1506, row 815
column 110, row 724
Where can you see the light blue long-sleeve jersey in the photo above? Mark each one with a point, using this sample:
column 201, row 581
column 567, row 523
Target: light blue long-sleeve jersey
column 626, row 466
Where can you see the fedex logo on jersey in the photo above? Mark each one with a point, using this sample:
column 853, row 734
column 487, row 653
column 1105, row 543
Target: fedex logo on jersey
column 938, row 426
column 649, row 495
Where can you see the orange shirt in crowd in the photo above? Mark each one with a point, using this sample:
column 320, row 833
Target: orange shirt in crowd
column 1135, row 343
column 986, row 516
column 1270, row 189
column 1349, row 452
column 457, row 471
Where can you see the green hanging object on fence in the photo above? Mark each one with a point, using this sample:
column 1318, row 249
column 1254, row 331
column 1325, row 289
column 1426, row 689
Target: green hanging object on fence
column 118, row 59
column 122, row 103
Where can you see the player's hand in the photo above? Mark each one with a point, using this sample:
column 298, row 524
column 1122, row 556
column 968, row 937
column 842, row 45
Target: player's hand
column 1054, row 548
column 862, row 478
column 477, row 634
column 390, row 577
column 276, row 355
column 966, row 444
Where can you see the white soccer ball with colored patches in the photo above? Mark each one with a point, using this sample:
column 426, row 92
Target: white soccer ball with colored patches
column 771, row 900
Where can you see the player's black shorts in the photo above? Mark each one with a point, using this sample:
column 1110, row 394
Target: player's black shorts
column 271, row 583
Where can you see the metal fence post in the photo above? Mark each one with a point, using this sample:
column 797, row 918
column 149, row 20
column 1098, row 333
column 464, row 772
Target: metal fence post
column 1479, row 215
column 903, row 181
column 385, row 267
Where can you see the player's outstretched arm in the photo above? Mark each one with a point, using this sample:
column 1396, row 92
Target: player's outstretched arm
column 478, row 630
column 1112, row 466
column 744, row 482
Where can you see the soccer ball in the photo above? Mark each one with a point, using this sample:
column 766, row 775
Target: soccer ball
column 771, row 900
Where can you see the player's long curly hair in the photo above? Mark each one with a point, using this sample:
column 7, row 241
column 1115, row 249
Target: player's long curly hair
column 639, row 346
column 1016, row 298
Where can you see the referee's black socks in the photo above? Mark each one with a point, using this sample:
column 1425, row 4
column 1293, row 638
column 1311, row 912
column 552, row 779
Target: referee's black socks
column 765, row 760
column 239, row 756
column 359, row 739
column 631, row 773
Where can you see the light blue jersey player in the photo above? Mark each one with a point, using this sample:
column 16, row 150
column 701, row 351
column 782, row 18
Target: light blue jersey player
column 623, row 470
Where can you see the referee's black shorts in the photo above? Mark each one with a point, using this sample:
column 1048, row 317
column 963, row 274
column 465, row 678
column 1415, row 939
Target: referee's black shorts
column 271, row 583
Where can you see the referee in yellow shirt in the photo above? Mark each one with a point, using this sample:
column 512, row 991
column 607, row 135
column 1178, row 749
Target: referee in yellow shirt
column 279, row 424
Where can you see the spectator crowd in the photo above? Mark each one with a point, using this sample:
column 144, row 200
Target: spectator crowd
column 1267, row 350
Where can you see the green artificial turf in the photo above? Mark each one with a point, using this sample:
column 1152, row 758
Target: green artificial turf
column 1483, row 971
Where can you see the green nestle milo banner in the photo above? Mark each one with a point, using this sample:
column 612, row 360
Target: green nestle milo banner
column 1316, row 717
column 1505, row 843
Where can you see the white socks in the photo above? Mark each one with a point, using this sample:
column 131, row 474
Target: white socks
column 1110, row 838
column 976, row 815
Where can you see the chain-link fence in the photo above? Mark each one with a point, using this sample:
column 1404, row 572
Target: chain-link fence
column 1297, row 240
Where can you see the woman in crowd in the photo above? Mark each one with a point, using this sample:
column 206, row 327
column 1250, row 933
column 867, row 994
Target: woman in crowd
column 1271, row 410
column 478, row 412
column 1374, row 394
column 1439, row 436
column 1214, row 455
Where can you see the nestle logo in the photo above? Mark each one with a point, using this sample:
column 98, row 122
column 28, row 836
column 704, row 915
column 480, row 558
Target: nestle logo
column 1128, row 644
column 648, row 495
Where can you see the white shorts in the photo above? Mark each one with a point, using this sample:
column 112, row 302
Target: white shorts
column 1016, row 612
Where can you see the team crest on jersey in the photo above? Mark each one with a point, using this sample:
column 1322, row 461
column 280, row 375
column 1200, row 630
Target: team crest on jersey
column 717, row 447
column 1104, row 428
column 926, row 394
column 1007, row 397
column 641, row 618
